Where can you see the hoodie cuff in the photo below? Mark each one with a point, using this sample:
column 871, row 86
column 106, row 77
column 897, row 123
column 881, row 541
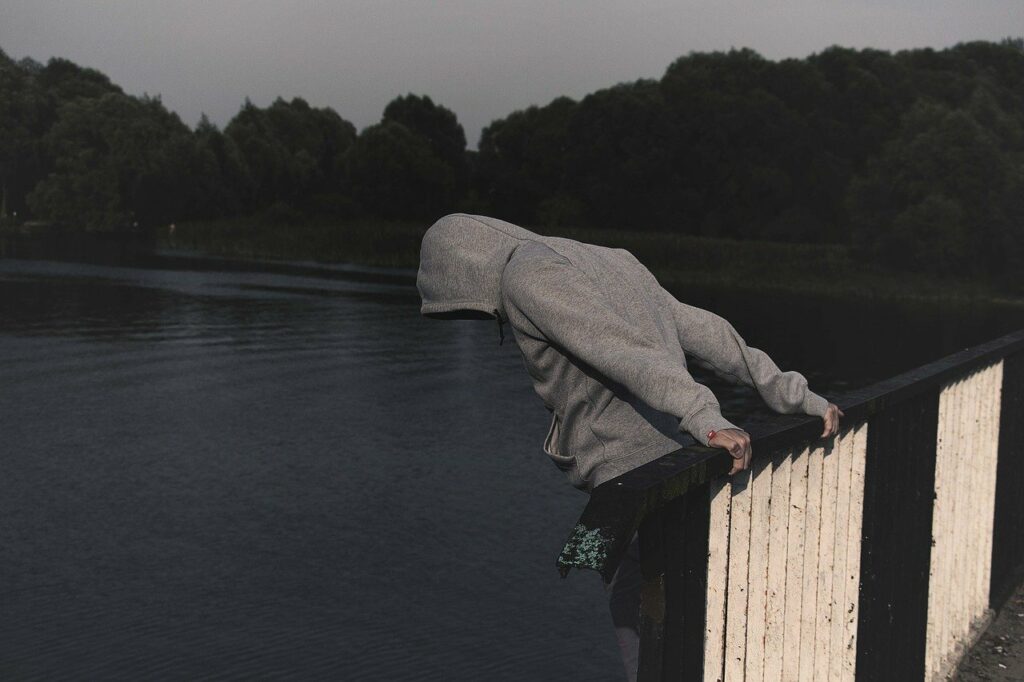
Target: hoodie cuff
column 706, row 419
column 814, row 404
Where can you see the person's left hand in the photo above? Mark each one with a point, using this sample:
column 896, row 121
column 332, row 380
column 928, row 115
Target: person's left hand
column 831, row 418
column 737, row 442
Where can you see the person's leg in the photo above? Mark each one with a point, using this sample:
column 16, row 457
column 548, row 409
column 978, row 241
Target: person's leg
column 624, row 602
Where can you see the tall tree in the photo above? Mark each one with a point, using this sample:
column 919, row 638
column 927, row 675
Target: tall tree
column 618, row 159
column 731, row 135
column 521, row 165
column 396, row 174
column 292, row 150
column 438, row 126
column 25, row 115
column 220, row 177
column 119, row 161
column 942, row 197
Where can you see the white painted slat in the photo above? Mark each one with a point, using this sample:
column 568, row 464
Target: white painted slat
column 757, row 580
column 826, row 553
column 949, row 555
column 812, row 529
column 983, row 527
column 739, row 558
column 973, row 461
column 990, row 437
column 795, row 564
column 775, row 607
column 963, row 514
column 938, row 574
column 989, row 493
column 983, row 520
column 956, row 423
column 843, row 453
column 852, row 591
column 960, row 510
column 981, row 504
column 961, row 527
column 977, row 519
column 963, row 522
column 718, row 575
column 944, row 538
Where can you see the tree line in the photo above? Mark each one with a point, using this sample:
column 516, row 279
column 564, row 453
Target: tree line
column 915, row 158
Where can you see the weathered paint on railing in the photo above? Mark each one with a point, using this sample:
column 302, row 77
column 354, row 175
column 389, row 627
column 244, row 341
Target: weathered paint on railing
column 965, row 478
column 782, row 585
column 876, row 555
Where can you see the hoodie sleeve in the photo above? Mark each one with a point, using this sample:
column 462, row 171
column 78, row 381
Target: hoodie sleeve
column 553, row 298
column 714, row 343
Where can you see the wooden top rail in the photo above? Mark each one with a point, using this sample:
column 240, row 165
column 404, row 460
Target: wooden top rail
column 617, row 507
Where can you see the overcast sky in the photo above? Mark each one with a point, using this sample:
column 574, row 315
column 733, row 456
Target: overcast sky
column 483, row 59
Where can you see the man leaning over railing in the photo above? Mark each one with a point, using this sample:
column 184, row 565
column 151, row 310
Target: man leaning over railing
column 605, row 346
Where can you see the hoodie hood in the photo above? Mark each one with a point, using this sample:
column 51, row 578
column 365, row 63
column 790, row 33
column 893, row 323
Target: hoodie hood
column 461, row 261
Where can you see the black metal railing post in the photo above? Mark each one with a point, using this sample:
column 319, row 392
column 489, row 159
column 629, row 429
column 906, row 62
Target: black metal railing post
column 674, row 563
column 896, row 540
column 1008, row 530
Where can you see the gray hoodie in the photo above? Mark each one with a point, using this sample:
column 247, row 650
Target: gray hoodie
column 604, row 343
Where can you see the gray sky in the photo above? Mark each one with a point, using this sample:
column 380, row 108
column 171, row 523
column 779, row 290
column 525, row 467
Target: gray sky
column 481, row 59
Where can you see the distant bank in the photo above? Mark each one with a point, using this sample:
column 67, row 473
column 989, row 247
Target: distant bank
column 681, row 262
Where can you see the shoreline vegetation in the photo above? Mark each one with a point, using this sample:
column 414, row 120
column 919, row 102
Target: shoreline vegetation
column 680, row 262
column 847, row 172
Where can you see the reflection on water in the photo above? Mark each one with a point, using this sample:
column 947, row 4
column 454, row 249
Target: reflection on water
column 234, row 474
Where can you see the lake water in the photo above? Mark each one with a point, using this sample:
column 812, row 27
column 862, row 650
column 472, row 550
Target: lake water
column 247, row 474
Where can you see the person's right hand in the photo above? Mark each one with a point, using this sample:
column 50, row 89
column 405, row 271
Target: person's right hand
column 831, row 419
column 737, row 442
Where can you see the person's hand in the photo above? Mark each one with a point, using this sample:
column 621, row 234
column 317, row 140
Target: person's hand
column 831, row 418
column 737, row 442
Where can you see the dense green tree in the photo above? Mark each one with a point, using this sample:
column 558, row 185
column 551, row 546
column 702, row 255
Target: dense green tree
column 732, row 136
column 618, row 155
column 916, row 157
column 119, row 161
column 520, row 167
column 292, row 151
column 439, row 127
column 65, row 81
column 940, row 197
column 220, row 177
column 868, row 90
column 18, row 151
column 413, row 164
column 30, row 95
column 396, row 174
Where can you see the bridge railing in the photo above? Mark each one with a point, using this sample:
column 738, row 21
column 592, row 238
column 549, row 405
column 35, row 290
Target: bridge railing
column 879, row 554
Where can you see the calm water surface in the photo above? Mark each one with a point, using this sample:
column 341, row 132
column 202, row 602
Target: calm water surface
column 236, row 475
